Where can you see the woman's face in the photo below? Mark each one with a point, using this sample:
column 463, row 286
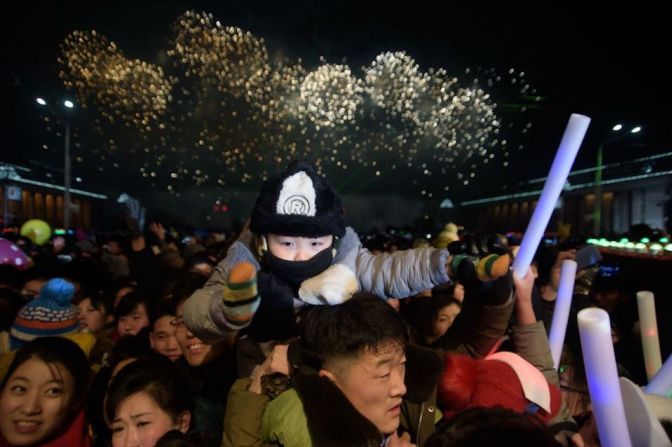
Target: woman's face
column 31, row 289
column 132, row 323
column 194, row 350
column 90, row 319
column 444, row 320
column 35, row 402
column 139, row 421
column 458, row 292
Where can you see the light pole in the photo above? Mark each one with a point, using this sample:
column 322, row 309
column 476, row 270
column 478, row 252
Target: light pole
column 67, row 201
column 597, row 214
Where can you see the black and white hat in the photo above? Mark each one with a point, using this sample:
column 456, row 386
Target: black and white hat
column 298, row 202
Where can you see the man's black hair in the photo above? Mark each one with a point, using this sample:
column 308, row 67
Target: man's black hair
column 365, row 322
column 492, row 427
column 165, row 307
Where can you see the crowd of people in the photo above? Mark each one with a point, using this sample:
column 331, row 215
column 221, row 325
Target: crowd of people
column 296, row 332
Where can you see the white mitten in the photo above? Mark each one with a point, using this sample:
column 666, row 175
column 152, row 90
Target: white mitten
column 335, row 285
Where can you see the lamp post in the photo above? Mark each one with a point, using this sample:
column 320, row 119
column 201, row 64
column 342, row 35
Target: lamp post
column 597, row 214
column 67, row 201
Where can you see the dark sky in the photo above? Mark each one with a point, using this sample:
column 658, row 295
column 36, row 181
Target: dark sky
column 611, row 63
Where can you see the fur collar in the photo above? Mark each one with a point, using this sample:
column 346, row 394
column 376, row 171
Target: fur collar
column 334, row 421
column 424, row 366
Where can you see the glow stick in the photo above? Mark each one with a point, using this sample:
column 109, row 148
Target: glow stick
column 649, row 331
column 605, row 391
column 562, row 163
column 661, row 384
column 556, row 337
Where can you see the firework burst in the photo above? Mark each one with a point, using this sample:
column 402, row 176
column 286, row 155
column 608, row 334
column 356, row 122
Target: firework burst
column 226, row 115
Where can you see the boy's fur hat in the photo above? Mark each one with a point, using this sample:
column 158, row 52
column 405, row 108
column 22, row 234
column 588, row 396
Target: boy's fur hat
column 298, row 202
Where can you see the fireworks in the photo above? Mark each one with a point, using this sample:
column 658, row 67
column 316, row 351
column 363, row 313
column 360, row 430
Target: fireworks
column 133, row 90
column 226, row 115
column 228, row 58
column 330, row 95
column 395, row 82
column 282, row 99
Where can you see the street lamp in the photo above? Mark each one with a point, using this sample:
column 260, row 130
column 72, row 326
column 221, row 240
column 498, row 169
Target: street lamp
column 597, row 217
column 66, row 182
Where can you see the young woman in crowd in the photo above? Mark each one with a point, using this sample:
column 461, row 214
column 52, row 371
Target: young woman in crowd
column 95, row 313
column 132, row 314
column 433, row 316
column 147, row 399
column 42, row 396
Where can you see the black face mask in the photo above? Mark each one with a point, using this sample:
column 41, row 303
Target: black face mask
column 295, row 272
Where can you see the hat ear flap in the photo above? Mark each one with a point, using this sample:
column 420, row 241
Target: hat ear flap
column 260, row 246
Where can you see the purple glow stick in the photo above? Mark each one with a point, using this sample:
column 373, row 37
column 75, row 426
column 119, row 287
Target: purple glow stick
column 556, row 337
column 562, row 163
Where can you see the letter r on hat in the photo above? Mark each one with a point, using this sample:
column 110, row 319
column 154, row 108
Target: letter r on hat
column 297, row 196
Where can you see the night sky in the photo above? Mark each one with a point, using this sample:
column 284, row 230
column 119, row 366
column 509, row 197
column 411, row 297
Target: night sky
column 612, row 65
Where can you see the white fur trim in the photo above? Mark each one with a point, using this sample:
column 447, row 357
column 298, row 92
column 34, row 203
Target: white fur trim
column 335, row 285
column 297, row 196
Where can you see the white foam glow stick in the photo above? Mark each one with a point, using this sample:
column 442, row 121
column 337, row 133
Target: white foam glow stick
column 562, row 163
column 605, row 391
column 556, row 337
column 646, row 306
column 661, row 384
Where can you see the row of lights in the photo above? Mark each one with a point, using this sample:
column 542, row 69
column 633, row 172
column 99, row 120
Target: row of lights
column 643, row 246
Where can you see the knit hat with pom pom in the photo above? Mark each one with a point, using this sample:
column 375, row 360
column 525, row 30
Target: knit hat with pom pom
column 50, row 314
